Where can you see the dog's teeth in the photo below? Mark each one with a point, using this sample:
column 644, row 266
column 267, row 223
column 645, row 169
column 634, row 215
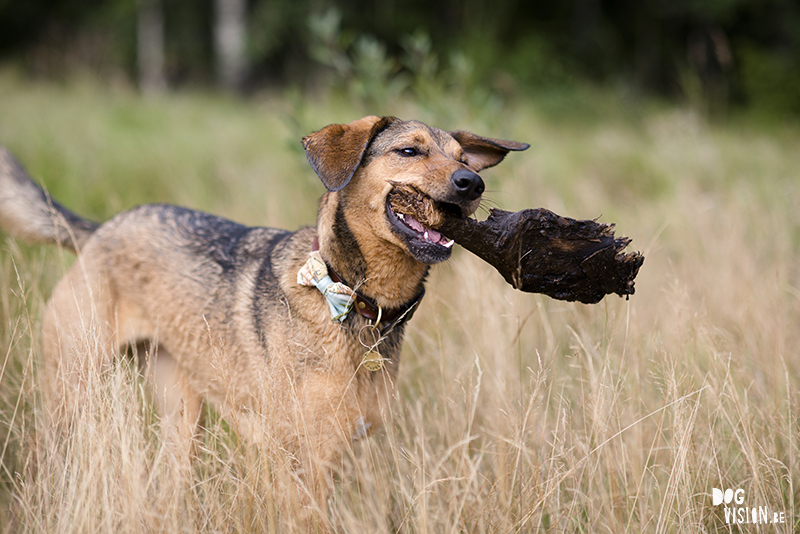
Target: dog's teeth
column 449, row 243
column 425, row 235
column 401, row 216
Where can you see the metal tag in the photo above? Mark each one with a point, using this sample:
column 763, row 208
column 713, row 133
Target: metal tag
column 373, row 361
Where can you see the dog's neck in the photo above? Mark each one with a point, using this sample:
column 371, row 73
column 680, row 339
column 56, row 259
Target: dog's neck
column 380, row 271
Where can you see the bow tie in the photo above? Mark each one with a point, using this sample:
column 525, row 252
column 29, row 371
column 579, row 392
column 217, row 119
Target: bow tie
column 314, row 273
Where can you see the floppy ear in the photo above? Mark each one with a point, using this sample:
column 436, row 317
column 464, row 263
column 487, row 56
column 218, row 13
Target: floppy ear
column 482, row 152
column 335, row 152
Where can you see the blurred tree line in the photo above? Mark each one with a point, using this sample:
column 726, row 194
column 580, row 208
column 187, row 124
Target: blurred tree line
column 715, row 52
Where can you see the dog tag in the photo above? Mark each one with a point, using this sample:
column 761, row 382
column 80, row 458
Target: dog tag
column 373, row 361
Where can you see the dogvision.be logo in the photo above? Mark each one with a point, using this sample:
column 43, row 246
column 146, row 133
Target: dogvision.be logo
column 739, row 513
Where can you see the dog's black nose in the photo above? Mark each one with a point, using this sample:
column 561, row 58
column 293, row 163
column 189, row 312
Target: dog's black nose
column 468, row 184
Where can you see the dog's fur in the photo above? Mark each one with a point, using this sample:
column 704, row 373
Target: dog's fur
column 217, row 304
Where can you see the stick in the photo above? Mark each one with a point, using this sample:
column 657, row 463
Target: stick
column 536, row 250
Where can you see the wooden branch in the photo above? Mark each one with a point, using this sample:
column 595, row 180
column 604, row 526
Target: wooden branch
column 536, row 250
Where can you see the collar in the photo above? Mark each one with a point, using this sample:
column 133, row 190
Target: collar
column 366, row 307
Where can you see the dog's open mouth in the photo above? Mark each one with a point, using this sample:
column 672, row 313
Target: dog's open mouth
column 428, row 234
column 412, row 215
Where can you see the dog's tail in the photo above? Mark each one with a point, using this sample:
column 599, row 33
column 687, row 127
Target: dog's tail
column 27, row 212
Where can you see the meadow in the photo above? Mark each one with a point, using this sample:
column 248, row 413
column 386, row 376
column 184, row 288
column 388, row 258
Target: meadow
column 515, row 412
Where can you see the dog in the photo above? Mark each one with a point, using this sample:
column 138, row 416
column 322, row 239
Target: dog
column 294, row 337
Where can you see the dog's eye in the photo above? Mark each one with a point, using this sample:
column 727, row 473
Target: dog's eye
column 408, row 152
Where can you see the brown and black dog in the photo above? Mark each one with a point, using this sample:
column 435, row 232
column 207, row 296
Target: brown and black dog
column 220, row 307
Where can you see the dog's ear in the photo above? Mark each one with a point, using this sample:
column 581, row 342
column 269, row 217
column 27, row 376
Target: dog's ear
column 482, row 152
column 335, row 152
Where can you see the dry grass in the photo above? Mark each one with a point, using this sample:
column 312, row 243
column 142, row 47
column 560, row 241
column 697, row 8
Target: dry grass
column 516, row 413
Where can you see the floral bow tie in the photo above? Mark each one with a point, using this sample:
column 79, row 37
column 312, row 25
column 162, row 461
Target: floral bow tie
column 315, row 273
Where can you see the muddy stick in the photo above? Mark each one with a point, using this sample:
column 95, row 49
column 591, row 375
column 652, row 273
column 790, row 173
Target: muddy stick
column 538, row 251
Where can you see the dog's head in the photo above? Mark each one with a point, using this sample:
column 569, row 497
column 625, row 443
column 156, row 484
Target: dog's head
column 400, row 178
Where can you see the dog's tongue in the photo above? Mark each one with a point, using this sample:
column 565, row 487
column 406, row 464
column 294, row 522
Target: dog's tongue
column 429, row 233
column 414, row 224
column 433, row 235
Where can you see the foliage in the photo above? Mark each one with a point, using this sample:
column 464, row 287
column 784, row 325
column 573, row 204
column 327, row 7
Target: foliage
column 361, row 65
column 771, row 81
column 736, row 50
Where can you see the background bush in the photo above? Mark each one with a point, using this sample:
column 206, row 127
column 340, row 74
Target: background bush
column 739, row 52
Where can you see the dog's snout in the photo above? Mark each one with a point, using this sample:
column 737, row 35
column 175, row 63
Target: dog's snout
column 468, row 184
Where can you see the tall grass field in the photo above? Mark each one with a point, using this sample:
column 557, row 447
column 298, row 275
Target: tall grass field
column 514, row 412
